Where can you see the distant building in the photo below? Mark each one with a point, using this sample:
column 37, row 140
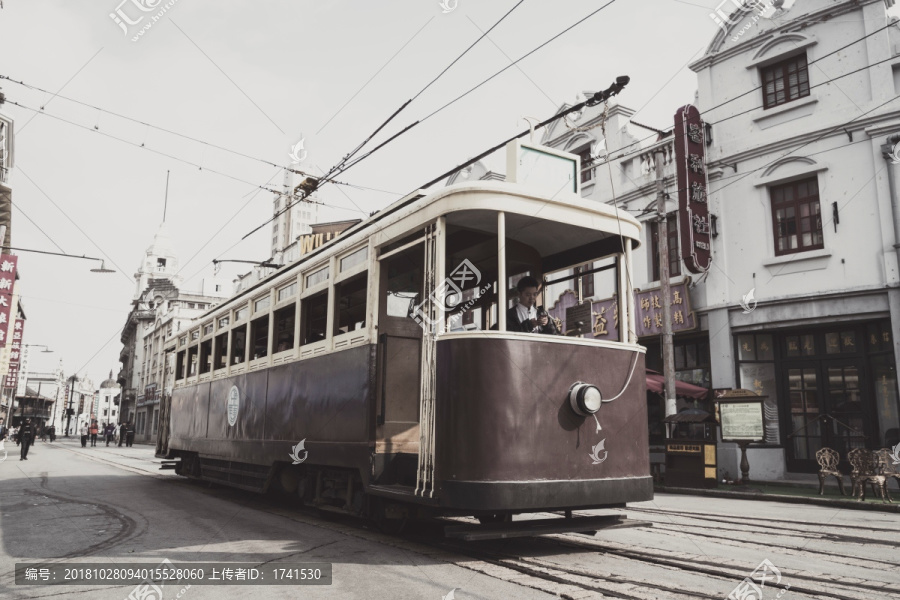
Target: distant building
column 160, row 309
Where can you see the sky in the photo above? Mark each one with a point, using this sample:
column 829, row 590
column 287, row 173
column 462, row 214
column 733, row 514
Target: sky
column 236, row 84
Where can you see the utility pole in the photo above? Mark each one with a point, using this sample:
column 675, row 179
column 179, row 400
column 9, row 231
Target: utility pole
column 72, row 381
column 663, row 242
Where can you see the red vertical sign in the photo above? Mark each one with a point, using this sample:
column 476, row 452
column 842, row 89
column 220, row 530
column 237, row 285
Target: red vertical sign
column 8, row 266
column 15, row 351
column 693, row 210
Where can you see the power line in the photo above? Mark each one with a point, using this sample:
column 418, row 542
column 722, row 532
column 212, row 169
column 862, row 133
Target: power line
column 148, row 125
column 89, row 238
column 463, row 95
column 30, row 220
column 176, row 158
column 340, row 164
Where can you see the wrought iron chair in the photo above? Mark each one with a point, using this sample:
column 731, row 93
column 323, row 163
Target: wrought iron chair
column 891, row 470
column 867, row 468
column 828, row 460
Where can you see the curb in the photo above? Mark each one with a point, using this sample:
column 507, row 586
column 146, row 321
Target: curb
column 889, row 508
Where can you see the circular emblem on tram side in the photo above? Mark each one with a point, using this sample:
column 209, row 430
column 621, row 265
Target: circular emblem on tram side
column 234, row 403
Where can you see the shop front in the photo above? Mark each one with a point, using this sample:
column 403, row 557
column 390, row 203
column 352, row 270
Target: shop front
column 829, row 386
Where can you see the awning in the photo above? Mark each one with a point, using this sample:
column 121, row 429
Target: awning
column 657, row 383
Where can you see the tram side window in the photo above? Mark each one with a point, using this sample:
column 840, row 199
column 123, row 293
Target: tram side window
column 205, row 356
column 179, row 365
column 284, row 328
column 314, row 317
column 259, row 336
column 238, row 344
column 221, row 359
column 403, row 288
column 350, row 306
column 192, row 361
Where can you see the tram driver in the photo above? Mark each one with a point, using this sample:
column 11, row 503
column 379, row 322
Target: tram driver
column 526, row 315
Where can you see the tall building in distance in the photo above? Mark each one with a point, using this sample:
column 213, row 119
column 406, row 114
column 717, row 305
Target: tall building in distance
column 160, row 309
column 293, row 218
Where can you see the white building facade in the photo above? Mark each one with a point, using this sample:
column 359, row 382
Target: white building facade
column 803, row 121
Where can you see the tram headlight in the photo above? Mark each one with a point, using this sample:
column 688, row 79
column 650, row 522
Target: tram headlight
column 584, row 398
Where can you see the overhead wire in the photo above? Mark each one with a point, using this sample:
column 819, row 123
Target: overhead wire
column 339, row 169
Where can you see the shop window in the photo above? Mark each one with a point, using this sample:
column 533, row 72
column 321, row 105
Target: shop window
column 840, row 342
column 205, row 356
column 259, row 337
column 674, row 248
column 238, row 344
column 350, row 307
column 284, row 327
column 785, row 81
column 756, row 372
column 796, row 216
column 221, row 359
column 314, row 315
column 799, row 345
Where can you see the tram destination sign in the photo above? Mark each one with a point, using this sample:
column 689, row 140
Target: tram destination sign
column 742, row 419
column 693, row 209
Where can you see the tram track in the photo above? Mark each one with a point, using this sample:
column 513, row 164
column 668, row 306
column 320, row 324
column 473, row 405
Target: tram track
column 541, row 573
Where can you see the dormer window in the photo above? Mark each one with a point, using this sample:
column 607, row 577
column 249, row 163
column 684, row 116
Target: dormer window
column 785, row 81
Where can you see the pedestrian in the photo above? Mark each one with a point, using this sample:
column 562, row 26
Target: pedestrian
column 129, row 434
column 110, row 433
column 52, row 433
column 84, row 435
column 26, row 437
column 42, row 432
column 4, row 430
column 94, row 432
column 121, row 434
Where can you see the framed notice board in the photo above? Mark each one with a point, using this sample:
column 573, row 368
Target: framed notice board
column 741, row 416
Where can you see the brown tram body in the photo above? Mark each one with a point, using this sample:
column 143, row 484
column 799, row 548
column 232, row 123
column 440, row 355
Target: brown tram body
column 409, row 419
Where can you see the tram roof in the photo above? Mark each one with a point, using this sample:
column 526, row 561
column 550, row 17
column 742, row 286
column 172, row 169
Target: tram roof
column 419, row 208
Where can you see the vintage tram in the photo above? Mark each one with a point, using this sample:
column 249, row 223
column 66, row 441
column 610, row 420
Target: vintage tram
column 377, row 374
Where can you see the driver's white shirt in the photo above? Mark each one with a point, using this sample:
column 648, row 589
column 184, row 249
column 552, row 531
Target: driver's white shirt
column 524, row 313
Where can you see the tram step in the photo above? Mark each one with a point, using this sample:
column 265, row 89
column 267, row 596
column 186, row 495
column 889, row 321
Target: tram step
column 535, row 527
column 168, row 464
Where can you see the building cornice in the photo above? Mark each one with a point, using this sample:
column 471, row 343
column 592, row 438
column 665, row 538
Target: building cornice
column 715, row 54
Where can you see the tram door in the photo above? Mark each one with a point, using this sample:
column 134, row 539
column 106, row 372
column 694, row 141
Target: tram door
column 399, row 365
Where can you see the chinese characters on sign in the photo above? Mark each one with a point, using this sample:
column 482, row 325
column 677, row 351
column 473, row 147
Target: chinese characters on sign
column 650, row 315
column 8, row 265
column 15, row 354
column 693, row 210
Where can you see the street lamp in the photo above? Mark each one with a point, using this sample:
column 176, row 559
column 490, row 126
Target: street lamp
column 102, row 268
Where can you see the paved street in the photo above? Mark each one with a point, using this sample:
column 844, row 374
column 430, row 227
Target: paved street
column 113, row 506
